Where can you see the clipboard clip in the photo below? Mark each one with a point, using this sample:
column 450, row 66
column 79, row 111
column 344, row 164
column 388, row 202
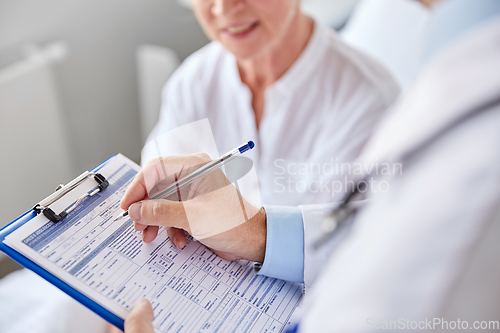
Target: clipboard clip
column 62, row 190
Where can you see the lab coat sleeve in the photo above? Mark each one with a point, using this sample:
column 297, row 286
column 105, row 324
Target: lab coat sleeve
column 313, row 216
column 317, row 257
column 284, row 258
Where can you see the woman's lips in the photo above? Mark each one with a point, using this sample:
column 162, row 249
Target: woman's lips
column 240, row 31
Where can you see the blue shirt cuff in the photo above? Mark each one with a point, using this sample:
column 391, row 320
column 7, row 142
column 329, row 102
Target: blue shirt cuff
column 284, row 244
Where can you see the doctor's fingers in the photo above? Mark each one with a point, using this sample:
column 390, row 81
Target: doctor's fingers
column 139, row 227
column 159, row 213
column 177, row 236
column 159, row 173
column 140, row 319
column 150, row 233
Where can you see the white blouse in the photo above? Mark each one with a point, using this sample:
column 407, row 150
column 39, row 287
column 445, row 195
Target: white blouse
column 317, row 116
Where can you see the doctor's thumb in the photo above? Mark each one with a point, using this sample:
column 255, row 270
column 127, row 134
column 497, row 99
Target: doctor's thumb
column 140, row 319
column 159, row 213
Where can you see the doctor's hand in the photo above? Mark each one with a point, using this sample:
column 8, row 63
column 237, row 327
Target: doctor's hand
column 210, row 209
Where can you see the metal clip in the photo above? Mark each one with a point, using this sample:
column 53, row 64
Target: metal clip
column 62, row 190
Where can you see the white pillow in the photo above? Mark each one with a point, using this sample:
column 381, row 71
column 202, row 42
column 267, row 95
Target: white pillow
column 391, row 31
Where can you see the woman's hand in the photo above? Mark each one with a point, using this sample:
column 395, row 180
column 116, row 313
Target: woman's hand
column 140, row 319
column 210, row 209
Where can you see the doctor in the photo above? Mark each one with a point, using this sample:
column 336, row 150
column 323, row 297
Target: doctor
column 419, row 254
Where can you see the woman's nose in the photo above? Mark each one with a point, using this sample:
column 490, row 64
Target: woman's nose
column 226, row 7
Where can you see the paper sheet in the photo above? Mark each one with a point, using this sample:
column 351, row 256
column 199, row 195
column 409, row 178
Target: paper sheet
column 191, row 290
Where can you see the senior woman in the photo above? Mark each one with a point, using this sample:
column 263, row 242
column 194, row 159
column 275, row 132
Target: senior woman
column 273, row 75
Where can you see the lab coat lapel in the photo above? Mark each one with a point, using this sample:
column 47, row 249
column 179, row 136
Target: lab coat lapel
column 417, row 118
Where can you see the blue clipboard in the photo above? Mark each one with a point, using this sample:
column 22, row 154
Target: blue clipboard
column 66, row 288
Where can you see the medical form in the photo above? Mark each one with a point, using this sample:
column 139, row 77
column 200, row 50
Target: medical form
column 191, row 290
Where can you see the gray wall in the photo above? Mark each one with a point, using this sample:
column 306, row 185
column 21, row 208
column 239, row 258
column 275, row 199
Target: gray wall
column 97, row 83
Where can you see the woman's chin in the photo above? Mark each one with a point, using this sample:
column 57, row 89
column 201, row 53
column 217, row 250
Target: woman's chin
column 245, row 51
column 244, row 54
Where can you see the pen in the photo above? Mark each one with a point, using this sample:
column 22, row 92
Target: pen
column 215, row 164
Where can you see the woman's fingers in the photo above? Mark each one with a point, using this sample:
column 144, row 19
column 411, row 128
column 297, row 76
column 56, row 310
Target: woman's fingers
column 140, row 319
column 177, row 236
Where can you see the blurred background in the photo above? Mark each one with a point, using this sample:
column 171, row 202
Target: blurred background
column 80, row 80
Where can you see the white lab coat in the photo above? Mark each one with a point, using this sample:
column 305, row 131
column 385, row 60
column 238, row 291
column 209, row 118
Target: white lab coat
column 411, row 250
column 331, row 88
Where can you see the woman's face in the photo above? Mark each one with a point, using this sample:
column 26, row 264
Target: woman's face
column 246, row 28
